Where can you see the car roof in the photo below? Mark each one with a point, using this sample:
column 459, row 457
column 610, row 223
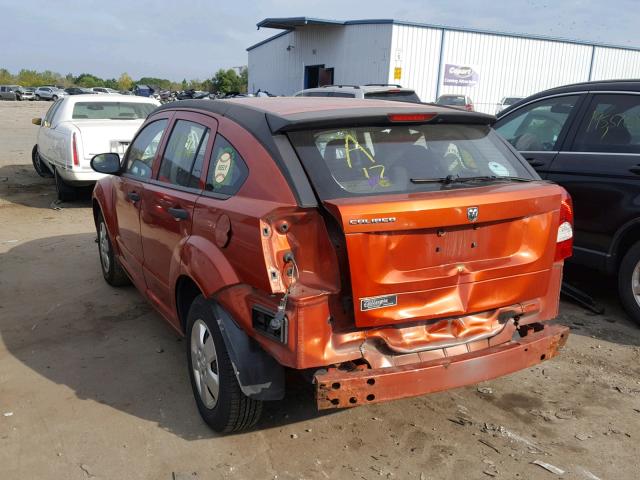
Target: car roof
column 294, row 113
column 620, row 85
column 364, row 88
column 92, row 97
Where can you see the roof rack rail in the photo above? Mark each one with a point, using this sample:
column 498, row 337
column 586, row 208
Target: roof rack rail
column 341, row 86
column 382, row 85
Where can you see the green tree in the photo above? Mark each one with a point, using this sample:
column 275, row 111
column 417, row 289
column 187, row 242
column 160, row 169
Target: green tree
column 87, row 80
column 5, row 76
column 226, row 81
column 125, row 82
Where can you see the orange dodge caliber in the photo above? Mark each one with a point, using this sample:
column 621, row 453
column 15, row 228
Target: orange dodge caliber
column 384, row 250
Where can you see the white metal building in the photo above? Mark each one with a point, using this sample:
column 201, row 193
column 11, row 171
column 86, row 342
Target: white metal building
column 431, row 59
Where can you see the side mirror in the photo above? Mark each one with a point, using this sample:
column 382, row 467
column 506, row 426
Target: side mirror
column 36, row 121
column 108, row 163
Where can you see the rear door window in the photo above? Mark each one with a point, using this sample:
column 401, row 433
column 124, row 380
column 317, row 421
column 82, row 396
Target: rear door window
column 389, row 159
column 182, row 160
column 610, row 124
column 227, row 169
column 143, row 150
column 537, row 127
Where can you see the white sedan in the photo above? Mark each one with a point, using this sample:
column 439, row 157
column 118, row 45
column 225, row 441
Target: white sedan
column 78, row 127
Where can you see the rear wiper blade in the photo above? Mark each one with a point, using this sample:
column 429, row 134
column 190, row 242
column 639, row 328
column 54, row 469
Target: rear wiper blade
column 456, row 179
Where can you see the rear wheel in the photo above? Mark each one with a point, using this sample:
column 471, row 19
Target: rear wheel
column 629, row 282
column 218, row 396
column 112, row 271
column 38, row 165
column 54, row 98
column 65, row 192
column 37, row 97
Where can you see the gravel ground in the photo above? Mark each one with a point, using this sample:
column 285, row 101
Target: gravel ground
column 94, row 385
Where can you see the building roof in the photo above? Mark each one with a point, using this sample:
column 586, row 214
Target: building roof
column 291, row 23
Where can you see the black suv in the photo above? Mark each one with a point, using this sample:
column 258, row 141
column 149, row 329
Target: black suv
column 586, row 137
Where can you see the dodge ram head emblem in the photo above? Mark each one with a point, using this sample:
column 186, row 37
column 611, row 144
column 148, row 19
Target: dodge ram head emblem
column 472, row 214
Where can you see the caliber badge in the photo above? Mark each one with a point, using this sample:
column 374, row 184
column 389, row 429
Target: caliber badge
column 472, row 214
column 372, row 303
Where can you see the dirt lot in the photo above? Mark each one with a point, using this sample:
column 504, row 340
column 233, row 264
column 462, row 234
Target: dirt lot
column 94, row 385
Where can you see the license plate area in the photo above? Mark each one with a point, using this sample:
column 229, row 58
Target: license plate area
column 119, row 147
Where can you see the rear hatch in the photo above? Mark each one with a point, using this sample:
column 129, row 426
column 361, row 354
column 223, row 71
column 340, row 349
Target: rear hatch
column 441, row 220
column 448, row 254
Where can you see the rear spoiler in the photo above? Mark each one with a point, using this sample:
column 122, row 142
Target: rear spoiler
column 361, row 117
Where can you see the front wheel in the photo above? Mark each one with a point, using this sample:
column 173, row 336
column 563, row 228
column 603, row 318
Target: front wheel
column 112, row 271
column 38, row 165
column 54, row 98
column 629, row 282
column 218, row 396
column 38, row 97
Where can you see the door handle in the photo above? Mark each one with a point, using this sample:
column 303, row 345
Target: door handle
column 178, row 213
column 133, row 196
column 534, row 163
column 635, row 169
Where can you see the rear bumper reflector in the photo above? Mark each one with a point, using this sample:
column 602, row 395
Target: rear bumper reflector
column 340, row 389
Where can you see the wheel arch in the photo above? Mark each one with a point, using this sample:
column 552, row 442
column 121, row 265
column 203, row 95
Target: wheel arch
column 623, row 240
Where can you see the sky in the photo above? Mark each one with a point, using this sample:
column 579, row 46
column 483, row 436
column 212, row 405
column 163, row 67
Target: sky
column 192, row 39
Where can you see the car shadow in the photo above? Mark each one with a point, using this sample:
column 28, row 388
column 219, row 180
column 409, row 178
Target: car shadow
column 21, row 185
column 107, row 344
column 614, row 325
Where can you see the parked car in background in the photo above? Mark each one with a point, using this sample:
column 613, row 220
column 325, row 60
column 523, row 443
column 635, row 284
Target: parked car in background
column 507, row 102
column 8, row 92
column 106, row 90
column 586, row 137
column 142, row 90
column 370, row 91
column 25, row 93
column 78, row 91
column 384, row 250
column 458, row 101
column 76, row 127
column 49, row 93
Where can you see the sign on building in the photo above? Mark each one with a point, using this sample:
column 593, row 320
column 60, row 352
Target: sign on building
column 460, row 76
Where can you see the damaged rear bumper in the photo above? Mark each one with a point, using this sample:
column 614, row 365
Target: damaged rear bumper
column 340, row 389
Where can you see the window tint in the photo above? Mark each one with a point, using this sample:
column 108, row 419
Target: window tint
column 611, row 124
column 537, row 126
column 52, row 111
column 227, row 170
column 143, row 150
column 185, row 143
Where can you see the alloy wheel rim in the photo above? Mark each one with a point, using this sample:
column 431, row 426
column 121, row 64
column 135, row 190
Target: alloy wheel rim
column 635, row 283
column 104, row 247
column 204, row 364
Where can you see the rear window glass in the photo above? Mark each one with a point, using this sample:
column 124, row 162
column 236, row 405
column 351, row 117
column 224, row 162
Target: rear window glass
column 111, row 110
column 457, row 101
column 398, row 96
column 380, row 160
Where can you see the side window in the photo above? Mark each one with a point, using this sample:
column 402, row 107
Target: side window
column 611, row 124
column 227, row 170
column 143, row 149
column 51, row 112
column 537, row 126
column 186, row 145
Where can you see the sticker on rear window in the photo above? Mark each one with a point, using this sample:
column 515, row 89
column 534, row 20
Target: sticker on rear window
column 223, row 165
column 371, row 303
column 498, row 169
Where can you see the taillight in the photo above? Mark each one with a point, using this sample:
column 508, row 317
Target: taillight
column 564, row 241
column 469, row 107
column 411, row 117
column 74, row 148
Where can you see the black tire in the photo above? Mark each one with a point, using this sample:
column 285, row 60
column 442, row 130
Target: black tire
column 626, row 282
column 38, row 165
column 65, row 192
column 54, row 98
column 233, row 411
column 38, row 97
column 112, row 270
